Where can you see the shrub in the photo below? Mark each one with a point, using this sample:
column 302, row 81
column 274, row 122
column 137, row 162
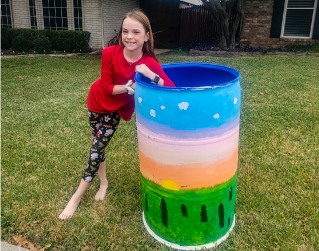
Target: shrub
column 312, row 47
column 70, row 40
column 5, row 38
column 28, row 34
column 60, row 40
column 42, row 44
column 20, row 43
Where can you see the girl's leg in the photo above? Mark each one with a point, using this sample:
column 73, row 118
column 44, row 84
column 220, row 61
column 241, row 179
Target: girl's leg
column 74, row 201
column 103, row 128
column 103, row 182
column 110, row 123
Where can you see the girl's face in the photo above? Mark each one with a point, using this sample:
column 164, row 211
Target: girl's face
column 133, row 35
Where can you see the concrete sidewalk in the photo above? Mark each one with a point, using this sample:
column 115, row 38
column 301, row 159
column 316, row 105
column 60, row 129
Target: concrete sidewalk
column 9, row 247
column 157, row 52
column 161, row 51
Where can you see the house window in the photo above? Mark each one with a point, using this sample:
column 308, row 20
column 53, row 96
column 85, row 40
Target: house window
column 5, row 14
column 299, row 18
column 33, row 15
column 55, row 14
column 77, row 14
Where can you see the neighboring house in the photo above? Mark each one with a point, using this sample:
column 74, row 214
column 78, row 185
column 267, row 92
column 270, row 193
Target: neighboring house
column 99, row 17
column 269, row 23
column 273, row 23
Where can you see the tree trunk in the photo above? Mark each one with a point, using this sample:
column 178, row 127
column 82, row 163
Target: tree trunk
column 221, row 12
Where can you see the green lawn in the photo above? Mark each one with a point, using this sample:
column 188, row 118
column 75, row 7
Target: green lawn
column 45, row 143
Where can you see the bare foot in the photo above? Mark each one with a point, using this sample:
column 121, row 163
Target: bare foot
column 100, row 195
column 70, row 209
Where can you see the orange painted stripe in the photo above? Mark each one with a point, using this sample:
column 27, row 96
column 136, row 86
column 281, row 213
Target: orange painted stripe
column 190, row 176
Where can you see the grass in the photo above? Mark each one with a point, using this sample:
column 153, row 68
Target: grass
column 45, row 143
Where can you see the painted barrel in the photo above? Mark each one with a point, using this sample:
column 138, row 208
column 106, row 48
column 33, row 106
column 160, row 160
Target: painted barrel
column 188, row 151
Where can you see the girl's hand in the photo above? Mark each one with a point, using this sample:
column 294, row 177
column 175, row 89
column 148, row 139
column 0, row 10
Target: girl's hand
column 133, row 85
column 145, row 71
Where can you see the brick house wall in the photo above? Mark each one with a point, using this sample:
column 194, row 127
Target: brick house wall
column 91, row 19
column 20, row 14
column 258, row 26
column 39, row 12
column 113, row 12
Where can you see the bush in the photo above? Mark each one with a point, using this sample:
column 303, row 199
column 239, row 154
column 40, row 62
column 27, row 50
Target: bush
column 69, row 40
column 60, row 39
column 42, row 44
column 20, row 43
column 313, row 47
column 5, row 38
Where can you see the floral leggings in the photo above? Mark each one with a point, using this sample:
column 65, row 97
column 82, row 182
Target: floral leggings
column 103, row 127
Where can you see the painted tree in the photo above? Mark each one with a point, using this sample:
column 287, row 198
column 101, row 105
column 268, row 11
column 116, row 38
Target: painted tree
column 184, row 210
column 229, row 17
column 203, row 214
column 146, row 203
column 221, row 213
column 164, row 212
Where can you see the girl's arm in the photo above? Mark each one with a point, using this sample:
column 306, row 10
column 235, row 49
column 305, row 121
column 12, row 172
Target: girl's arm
column 147, row 72
column 106, row 72
column 119, row 89
column 106, row 76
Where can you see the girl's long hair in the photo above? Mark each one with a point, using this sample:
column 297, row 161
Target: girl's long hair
column 139, row 16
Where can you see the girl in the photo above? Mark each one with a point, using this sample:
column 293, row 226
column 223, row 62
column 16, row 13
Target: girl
column 110, row 98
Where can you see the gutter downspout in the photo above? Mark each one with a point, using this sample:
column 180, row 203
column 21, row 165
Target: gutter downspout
column 102, row 25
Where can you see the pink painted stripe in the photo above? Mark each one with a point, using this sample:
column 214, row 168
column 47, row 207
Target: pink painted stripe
column 181, row 141
column 179, row 152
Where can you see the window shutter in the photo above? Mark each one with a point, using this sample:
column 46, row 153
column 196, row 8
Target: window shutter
column 276, row 21
column 298, row 22
column 316, row 26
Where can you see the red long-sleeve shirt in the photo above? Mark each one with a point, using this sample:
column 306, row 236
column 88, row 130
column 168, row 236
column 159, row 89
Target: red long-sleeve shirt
column 115, row 70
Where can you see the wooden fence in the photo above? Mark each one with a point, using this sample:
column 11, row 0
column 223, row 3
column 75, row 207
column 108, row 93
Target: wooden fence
column 196, row 24
column 174, row 27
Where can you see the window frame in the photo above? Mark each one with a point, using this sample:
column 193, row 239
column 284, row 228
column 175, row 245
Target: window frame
column 8, row 15
column 33, row 14
column 314, row 8
column 48, row 19
column 78, row 20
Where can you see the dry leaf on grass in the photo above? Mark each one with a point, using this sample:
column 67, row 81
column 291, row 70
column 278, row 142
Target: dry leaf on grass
column 47, row 246
column 31, row 246
column 19, row 241
column 22, row 242
column 85, row 248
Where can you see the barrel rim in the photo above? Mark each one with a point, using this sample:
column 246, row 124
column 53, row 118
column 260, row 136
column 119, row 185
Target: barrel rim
column 179, row 247
column 237, row 75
